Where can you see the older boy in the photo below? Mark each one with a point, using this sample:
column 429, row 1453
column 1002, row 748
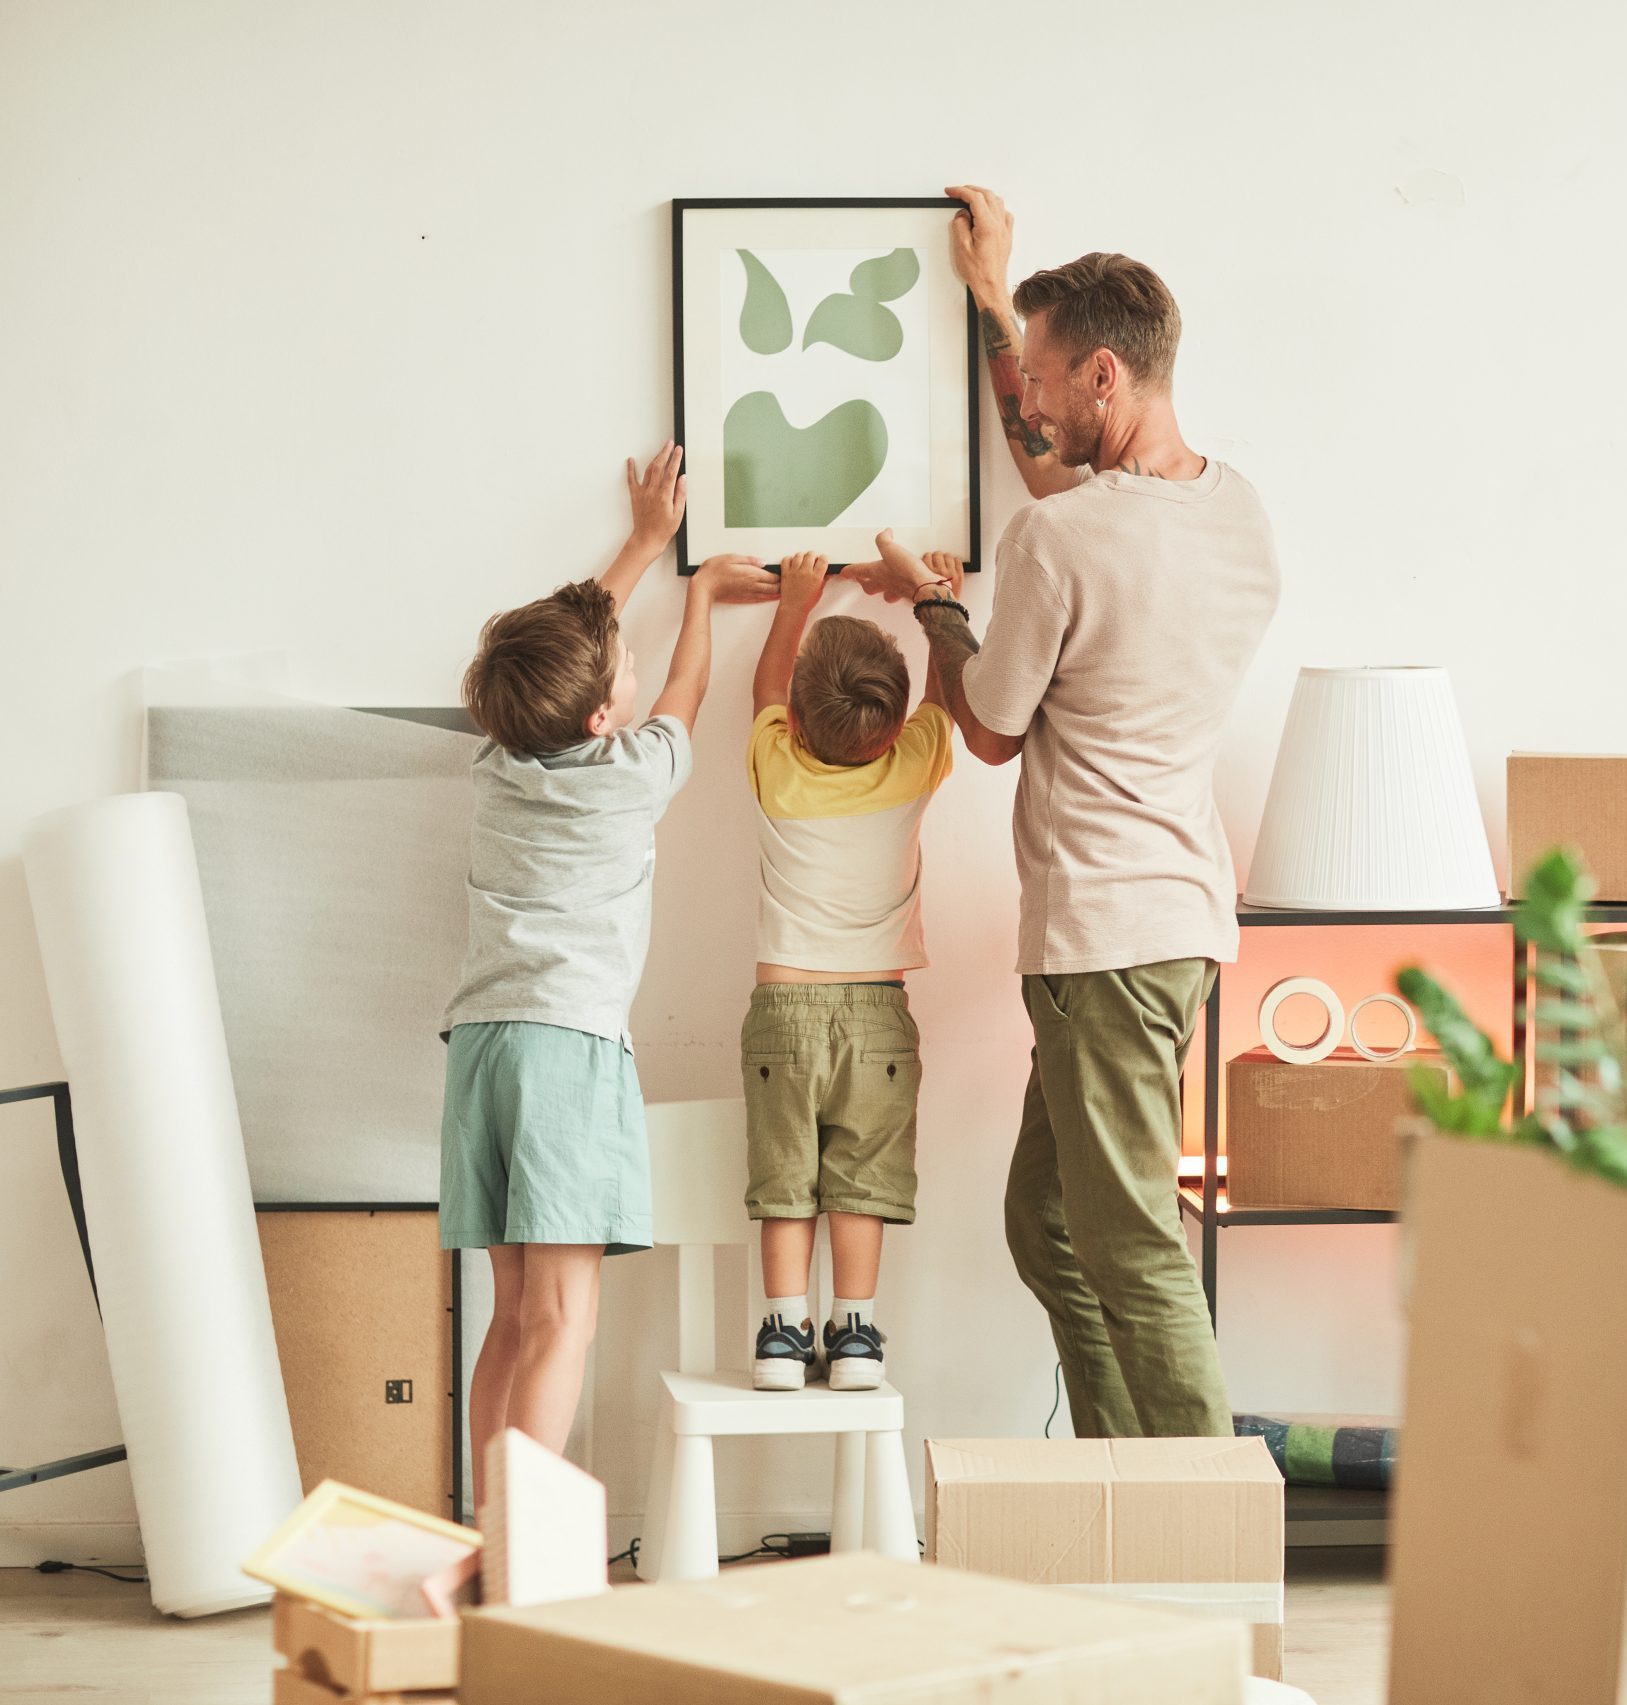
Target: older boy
column 829, row 1053
column 543, row 1157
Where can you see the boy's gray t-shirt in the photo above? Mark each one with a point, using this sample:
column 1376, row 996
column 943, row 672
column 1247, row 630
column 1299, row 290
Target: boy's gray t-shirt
column 561, row 857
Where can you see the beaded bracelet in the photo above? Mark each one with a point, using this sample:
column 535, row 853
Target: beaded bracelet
column 942, row 604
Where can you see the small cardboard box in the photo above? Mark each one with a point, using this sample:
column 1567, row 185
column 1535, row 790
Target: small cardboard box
column 1320, row 1135
column 1576, row 800
column 333, row 1651
column 1509, row 1543
column 289, row 1687
column 847, row 1630
column 1194, row 1525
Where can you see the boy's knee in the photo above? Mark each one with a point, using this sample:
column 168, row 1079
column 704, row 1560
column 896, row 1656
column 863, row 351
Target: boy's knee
column 559, row 1318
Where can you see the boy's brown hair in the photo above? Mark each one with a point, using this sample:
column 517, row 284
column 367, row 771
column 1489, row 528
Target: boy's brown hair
column 543, row 669
column 850, row 690
column 1103, row 301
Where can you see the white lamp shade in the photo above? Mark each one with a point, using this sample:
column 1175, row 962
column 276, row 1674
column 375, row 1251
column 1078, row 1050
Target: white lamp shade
column 1372, row 804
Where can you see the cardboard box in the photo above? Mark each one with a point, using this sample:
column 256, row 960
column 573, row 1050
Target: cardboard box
column 1574, row 800
column 1191, row 1525
column 369, row 1658
column 1320, row 1135
column 1509, row 1537
column 289, row 1687
column 847, row 1630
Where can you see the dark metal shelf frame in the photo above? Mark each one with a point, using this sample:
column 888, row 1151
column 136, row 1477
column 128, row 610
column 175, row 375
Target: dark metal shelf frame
column 1203, row 1203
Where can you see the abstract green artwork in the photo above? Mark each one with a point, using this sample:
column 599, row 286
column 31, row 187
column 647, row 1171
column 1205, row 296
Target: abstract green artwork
column 776, row 474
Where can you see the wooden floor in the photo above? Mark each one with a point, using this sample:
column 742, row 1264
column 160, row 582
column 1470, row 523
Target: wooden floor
column 81, row 1639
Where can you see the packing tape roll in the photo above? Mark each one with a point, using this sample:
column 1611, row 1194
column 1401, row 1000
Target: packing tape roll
column 1369, row 1053
column 1290, row 1052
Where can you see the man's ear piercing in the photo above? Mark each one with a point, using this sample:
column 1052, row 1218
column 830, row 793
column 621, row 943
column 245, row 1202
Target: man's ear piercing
column 1100, row 403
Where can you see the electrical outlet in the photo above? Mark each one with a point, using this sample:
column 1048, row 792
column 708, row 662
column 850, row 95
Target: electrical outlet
column 398, row 1391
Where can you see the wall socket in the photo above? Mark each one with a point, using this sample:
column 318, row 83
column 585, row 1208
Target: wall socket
column 398, row 1391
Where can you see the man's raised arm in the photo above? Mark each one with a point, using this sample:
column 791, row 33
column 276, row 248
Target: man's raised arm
column 900, row 575
column 980, row 241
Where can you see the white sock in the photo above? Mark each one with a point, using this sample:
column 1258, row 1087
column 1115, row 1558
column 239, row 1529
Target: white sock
column 842, row 1307
column 792, row 1310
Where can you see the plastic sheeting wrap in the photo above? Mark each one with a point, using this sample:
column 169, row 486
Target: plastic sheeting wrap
column 333, row 847
column 122, row 934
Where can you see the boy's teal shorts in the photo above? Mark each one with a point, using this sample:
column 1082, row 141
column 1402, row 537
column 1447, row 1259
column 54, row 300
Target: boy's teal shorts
column 542, row 1140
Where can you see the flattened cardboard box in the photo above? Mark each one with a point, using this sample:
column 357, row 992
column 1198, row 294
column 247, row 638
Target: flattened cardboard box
column 354, row 1657
column 1191, row 1524
column 1320, row 1135
column 863, row 1630
column 1575, row 799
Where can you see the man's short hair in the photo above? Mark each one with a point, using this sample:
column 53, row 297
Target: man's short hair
column 543, row 669
column 850, row 690
column 1108, row 302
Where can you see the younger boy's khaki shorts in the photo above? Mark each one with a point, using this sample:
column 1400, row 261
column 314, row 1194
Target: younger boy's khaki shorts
column 832, row 1072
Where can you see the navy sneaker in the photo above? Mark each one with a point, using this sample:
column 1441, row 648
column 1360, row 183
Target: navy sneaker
column 784, row 1356
column 853, row 1355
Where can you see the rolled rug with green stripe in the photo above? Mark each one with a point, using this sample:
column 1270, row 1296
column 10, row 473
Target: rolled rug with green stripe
column 1309, row 1454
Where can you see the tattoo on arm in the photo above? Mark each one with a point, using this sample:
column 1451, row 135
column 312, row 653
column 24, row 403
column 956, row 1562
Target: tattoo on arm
column 1000, row 348
column 953, row 645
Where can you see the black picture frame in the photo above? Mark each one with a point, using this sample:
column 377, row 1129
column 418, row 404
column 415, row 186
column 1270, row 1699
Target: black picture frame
column 973, row 342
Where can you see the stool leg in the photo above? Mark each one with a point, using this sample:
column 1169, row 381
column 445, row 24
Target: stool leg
column 847, row 1506
column 889, row 1517
column 689, row 1538
column 655, row 1499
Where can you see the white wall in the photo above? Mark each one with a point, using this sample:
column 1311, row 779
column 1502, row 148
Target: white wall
column 324, row 327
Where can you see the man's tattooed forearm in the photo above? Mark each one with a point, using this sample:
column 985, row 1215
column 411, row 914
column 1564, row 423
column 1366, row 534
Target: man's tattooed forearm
column 999, row 345
column 996, row 339
column 953, row 645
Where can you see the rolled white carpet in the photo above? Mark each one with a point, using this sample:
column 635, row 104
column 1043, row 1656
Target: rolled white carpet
column 120, row 918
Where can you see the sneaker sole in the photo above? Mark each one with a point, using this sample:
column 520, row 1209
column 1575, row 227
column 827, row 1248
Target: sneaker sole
column 856, row 1373
column 781, row 1373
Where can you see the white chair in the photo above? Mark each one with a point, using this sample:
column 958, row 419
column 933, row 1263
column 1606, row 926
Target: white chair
column 698, row 1168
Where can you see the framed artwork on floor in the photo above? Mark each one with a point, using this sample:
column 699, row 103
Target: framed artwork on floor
column 825, row 378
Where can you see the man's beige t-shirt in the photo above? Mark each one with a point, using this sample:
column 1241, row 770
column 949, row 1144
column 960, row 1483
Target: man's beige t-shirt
column 1126, row 610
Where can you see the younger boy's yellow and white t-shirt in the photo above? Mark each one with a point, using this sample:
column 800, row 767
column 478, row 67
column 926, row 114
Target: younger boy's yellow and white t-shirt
column 840, row 846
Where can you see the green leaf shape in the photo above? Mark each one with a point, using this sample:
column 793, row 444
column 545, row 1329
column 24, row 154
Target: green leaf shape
column 779, row 475
column 765, row 315
column 861, row 328
column 1485, row 1078
column 887, row 277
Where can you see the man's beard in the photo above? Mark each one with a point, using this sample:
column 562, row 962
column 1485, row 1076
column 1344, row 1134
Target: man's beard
column 1076, row 442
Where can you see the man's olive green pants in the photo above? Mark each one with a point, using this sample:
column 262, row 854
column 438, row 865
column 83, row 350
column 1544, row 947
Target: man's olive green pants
column 1091, row 1213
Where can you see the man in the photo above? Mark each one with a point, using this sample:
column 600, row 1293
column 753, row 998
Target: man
column 1128, row 604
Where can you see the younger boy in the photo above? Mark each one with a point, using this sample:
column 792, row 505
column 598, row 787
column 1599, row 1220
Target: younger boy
column 543, row 1156
column 829, row 1053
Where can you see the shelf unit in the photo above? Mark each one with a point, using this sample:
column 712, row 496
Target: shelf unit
column 1204, row 1203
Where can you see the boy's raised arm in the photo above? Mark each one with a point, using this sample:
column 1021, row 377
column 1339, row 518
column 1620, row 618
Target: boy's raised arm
column 718, row 580
column 802, row 580
column 658, row 506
